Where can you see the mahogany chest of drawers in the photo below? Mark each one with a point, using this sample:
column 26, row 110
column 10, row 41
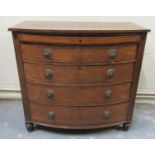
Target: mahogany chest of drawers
column 78, row 75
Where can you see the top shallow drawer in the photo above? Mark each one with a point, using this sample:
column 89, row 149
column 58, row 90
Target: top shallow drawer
column 78, row 39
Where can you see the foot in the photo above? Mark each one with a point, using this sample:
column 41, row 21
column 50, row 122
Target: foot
column 126, row 126
column 29, row 127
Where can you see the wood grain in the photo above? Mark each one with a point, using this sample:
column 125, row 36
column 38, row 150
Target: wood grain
column 22, row 79
column 76, row 28
column 78, row 95
column 78, row 74
column 80, row 115
column 81, row 40
column 78, row 54
column 79, row 65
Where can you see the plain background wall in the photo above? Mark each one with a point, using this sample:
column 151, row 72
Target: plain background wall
column 8, row 72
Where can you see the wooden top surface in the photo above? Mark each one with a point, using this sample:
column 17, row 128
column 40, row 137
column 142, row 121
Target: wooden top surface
column 77, row 27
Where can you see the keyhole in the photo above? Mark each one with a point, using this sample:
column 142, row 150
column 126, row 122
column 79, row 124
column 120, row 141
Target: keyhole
column 80, row 89
column 79, row 68
column 78, row 92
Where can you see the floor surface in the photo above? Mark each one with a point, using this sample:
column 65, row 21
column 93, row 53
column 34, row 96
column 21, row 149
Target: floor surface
column 12, row 125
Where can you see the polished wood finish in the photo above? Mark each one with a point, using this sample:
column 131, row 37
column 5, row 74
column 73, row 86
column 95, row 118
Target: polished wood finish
column 78, row 75
column 76, row 28
column 78, row 40
column 76, row 54
column 21, row 77
column 78, row 95
column 78, row 116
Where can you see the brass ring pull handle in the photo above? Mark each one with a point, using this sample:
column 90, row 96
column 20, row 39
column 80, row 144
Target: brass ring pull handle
column 110, row 74
column 106, row 115
column 50, row 94
column 112, row 53
column 47, row 53
column 51, row 115
column 48, row 74
column 108, row 94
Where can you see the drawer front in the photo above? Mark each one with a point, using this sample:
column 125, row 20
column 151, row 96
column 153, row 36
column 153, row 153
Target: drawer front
column 78, row 54
column 78, row 95
column 78, row 115
column 78, row 74
column 81, row 40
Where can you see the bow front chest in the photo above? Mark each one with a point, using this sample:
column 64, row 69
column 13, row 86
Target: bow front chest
column 78, row 75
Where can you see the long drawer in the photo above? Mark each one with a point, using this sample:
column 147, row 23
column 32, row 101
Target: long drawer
column 78, row 54
column 78, row 95
column 78, row 74
column 78, row 115
column 78, row 40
